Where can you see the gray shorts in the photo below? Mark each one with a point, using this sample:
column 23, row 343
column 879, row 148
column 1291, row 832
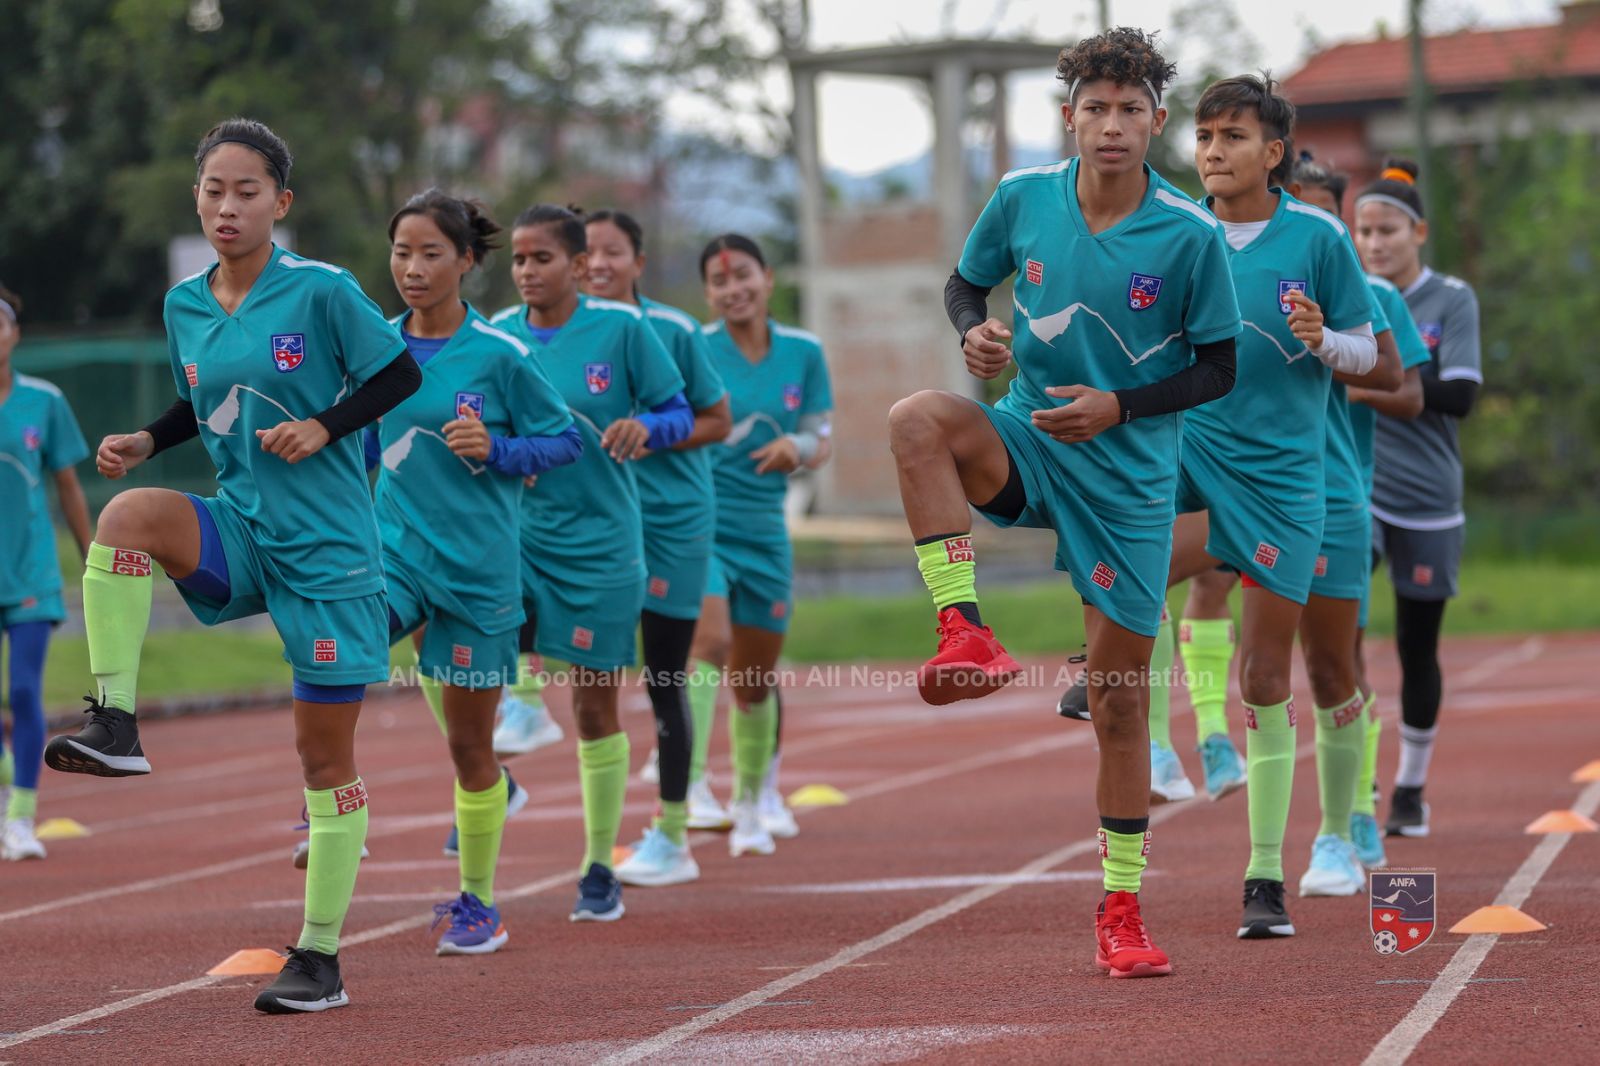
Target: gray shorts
column 1424, row 564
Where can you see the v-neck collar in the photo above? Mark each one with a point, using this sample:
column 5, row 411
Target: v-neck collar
column 1075, row 210
column 1272, row 223
column 450, row 343
column 255, row 286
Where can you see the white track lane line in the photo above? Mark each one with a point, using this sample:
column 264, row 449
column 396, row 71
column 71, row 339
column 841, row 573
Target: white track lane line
column 1403, row 1039
column 51, row 1028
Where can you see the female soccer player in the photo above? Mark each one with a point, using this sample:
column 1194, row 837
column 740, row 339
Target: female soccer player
column 1417, row 494
column 278, row 361
column 675, row 495
column 778, row 386
column 39, row 442
column 583, row 571
column 449, row 497
column 1126, row 315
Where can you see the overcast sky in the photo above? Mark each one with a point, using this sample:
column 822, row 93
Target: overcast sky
column 867, row 124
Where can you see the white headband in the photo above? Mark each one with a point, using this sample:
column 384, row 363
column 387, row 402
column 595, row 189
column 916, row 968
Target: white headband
column 11, row 312
column 1392, row 201
column 1072, row 91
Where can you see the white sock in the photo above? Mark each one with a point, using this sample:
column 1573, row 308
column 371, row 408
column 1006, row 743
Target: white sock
column 1416, row 749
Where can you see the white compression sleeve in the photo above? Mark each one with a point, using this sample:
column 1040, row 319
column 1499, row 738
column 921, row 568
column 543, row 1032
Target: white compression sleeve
column 1351, row 352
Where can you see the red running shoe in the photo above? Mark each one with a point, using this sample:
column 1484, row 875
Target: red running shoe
column 1124, row 948
column 970, row 662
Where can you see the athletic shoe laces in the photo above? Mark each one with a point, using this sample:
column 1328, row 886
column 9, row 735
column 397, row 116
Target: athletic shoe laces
column 1214, row 753
column 1129, row 932
column 1270, row 891
column 464, row 911
column 301, row 961
column 101, row 716
column 1327, row 851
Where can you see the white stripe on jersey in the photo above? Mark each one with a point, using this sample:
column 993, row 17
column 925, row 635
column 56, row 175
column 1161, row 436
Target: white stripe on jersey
column 797, row 333
column 676, row 317
column 1183, row 203
column 489, row 331
column 1317, row 212
column 1043, row 168
column 614, row 305
column 290, row 260
column 36, row 383
column 712, row 327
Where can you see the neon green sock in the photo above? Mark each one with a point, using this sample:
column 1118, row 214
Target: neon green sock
column 704, row 683
column 603, row 770
column 1160, row 690
column 1207, row 646
column 1269, row 758
column 432, row 691
column 338, row 818
column 1341, row 739
column 949, row 569
column 1123, row 857
column 7, row 768
column 530, row 680
column 1372, row 734
column 116, row 615
column 24, row 803
column 480, row 823
column 752, row 730
column 674, row 821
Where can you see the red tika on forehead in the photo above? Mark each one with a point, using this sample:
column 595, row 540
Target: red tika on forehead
column 726, row 260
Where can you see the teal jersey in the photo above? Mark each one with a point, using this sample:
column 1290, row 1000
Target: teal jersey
column 675, row 486
column 1271, row 429
column 304, row 338
column 38, row 436
column 767, row 399
column 1112, row 310
column 1413, row 352
column 455, row 519
column 606, row 363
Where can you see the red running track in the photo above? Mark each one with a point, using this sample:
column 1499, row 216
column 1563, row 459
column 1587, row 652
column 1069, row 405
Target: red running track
column 944, row 914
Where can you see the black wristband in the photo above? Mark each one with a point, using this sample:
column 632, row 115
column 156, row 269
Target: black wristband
column 173, row 426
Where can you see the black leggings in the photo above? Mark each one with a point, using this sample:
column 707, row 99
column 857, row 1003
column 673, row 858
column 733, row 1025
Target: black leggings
column 1416, row 637
column 666, row 659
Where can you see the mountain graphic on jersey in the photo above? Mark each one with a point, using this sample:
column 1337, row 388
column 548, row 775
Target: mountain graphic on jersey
column 395, row 455
column 1288, row 356
column 221, row 421
column 288, row 351
column 748, row 427
column 1048, row 327
column 1403, row 909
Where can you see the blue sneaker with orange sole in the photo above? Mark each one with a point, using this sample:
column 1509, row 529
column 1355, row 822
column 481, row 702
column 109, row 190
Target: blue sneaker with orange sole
column 475, row 926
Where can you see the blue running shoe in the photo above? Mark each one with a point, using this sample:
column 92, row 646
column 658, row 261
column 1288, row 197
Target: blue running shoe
column 516, row 795
column 475, row 927
column 657, row 861
column 1368, row 840
column 1225, row 767
column 524, row 726
column 1334, row 869
column 1168, row 782
column 599, row 896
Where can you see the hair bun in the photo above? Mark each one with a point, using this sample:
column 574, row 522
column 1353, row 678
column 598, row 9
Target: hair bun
column 1401, row 170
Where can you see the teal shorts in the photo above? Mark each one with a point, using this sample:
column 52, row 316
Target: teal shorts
column 1343, row 568
column 677, row 568
column 327, row 642
column 48, row 608
column 1255, row 535
column 757, row 580
column 580, row 624
column 455, row 650
column 1117, row 567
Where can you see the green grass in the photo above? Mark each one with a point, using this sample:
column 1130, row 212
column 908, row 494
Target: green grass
column 190, row 662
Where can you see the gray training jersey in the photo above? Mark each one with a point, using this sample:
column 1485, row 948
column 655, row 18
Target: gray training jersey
column 1417, row 481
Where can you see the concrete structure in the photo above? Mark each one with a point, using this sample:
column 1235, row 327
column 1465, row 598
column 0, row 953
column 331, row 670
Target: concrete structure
column 872, row 278
column 1351, row 98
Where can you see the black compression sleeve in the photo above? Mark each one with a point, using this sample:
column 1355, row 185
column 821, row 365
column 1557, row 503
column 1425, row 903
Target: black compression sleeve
column 966, row 304
column 381, row 394
column 174, row 426
column 1449, row 397
column 1210, row 377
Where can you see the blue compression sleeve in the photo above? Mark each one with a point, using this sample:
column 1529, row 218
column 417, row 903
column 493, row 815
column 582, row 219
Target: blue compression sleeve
column 526, row 456
column 28, row 640
column 668, row 423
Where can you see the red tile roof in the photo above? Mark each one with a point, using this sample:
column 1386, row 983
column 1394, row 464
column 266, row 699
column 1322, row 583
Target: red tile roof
column 1458, row 63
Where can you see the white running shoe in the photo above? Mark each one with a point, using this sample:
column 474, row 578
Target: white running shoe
column 1168, row 782
column 776, row 818
column 749, row 836
column 656, row 861
column 19, row 842
column 524, row 726
column 650, row 772
column 704, row 810
column 1334, row 869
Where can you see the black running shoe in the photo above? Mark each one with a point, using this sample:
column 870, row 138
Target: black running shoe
column 107, row 747
column 1075, row 701
column 1264, row 913
column 308, row 982
column 1408, row 815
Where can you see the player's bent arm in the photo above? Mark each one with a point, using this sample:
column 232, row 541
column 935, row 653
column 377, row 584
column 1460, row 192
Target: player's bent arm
column 1386, row 376
column 810, row 437
column 532, row 456
column 966, row 304
column 1454, row 397
column 1208, row 378
column 711, row 424
column 380, row 394
column 1404, row 402
column 172, row 427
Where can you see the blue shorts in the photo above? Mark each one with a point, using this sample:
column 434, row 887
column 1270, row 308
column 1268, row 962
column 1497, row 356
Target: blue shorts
column 1343, row 569
column 677, row 568
column 757, row 580
column 1255, row 535
column 580, row 624
column 327, row 642
column 35, row 609
column 455, row 650
column 1117, row 567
